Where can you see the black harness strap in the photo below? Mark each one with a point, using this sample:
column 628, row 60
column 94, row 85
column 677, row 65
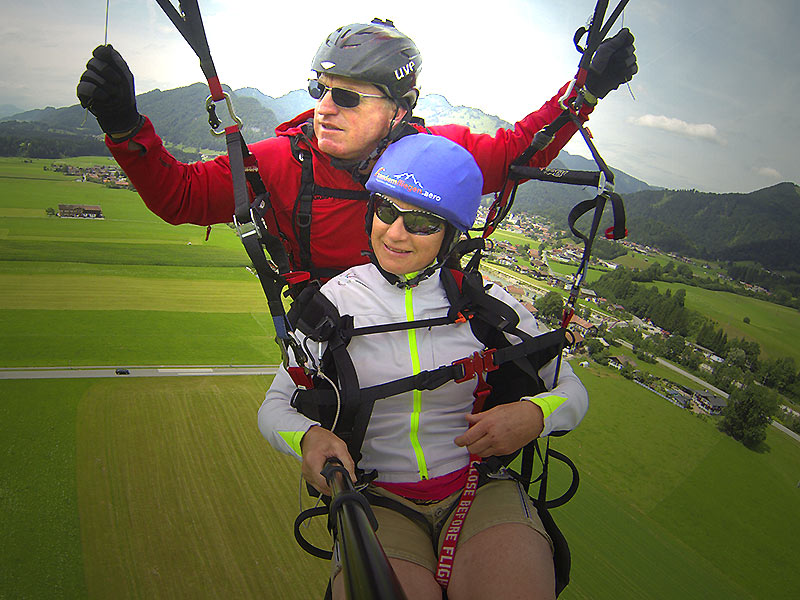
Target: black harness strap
column 303, row 206
column 244, row 170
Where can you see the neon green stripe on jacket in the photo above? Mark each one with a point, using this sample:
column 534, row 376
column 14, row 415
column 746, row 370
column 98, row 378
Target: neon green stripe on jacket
column 548, row 404
column 292, row 439
column 417, row 395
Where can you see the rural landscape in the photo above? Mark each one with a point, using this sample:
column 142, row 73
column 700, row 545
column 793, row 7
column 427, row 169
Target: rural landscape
column 150, row 479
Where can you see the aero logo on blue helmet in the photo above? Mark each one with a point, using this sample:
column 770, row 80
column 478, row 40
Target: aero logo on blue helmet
column 432, row 173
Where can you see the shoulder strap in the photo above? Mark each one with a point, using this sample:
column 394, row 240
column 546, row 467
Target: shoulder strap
column 301, row 215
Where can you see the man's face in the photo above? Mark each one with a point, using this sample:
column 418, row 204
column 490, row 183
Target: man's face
column 352, row 133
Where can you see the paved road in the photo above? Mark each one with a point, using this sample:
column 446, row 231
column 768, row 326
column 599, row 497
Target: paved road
column 677, row 369
column 707, row 385
column 150, row 371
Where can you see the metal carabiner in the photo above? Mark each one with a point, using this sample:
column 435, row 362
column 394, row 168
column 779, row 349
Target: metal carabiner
column 214, row 121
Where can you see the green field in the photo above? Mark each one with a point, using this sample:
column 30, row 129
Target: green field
column 776, row 328
column 128, row 289
column 592, row 274
column 164, row 488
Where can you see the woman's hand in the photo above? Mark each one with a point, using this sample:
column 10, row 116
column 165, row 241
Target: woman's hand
column 317, row 446
column 503, row 429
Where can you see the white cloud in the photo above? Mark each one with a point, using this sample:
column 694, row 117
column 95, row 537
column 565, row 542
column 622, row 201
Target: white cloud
column 703, row 131
column 768, row 172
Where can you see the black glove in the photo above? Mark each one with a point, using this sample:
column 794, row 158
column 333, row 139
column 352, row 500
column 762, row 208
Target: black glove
column 106, row 89
column 613, row 64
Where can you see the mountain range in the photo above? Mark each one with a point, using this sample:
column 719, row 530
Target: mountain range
column 758, row 227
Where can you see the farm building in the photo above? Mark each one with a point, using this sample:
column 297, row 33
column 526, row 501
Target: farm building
column 620, row 361
column 582, row 326
column 709, row 402
column 79, row 211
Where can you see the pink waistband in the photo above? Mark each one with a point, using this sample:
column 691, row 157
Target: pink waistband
column 437, row 488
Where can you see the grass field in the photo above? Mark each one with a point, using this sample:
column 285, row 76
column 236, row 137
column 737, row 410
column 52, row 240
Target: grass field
column 128, row 289
column 164, row 488
column 776, row 328
column 592, row 274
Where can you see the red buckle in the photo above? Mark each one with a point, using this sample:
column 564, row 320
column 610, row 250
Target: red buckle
column 478, row 363
column 300, row 377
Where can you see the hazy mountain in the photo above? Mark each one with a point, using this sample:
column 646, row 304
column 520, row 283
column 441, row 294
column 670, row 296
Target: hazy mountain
column 179, row 116
column 6, row 110
column 284, row 108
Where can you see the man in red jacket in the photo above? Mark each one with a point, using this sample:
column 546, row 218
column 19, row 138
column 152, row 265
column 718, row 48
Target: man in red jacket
column 315, row 167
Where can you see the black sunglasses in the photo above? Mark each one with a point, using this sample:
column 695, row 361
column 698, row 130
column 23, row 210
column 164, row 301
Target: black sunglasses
column 341, row 96
column 416, row 222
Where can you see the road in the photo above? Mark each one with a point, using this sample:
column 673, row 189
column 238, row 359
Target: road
column 148, row 371
column 708, row 386
column 677, row 369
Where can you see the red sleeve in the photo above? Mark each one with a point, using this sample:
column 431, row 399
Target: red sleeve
column 199, row 193
column 495, row 153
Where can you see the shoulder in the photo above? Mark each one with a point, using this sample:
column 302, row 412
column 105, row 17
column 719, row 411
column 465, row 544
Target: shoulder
column 360, row 280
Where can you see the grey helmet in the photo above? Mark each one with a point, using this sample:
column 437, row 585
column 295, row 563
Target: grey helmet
column 376, row 53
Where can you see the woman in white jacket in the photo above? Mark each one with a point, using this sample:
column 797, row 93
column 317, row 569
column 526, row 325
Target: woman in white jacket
column 426, row 191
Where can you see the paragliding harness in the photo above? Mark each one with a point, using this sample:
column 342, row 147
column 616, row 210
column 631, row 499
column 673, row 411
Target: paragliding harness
column 309, row 189
column 465, row 292
column 505, row 372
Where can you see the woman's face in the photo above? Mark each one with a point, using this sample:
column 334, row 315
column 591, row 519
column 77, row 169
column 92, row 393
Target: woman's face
column 400, row 252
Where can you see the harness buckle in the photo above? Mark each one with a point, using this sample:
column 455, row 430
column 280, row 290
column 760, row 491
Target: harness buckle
column 245, row 229
column 477, row 364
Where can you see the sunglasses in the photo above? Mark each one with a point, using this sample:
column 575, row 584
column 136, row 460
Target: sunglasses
column 416, row 222
column 340, row 96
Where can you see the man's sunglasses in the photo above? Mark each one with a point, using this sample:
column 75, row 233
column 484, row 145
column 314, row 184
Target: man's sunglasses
column 341, row 97
column 416, row 222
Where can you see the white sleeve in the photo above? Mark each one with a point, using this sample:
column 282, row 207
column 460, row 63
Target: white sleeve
column 280, row 423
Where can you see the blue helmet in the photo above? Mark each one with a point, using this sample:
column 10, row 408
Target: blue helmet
column 432, row 173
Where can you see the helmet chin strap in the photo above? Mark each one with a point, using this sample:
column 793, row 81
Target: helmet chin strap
column 399, row 281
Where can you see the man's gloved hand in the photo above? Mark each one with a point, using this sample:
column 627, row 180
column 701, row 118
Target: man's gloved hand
column 613, row 64
column 106, row 89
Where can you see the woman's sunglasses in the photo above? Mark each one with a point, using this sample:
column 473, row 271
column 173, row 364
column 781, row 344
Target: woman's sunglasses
column 340, row 96
column 416, row 222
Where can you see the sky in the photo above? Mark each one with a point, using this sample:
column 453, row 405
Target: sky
column 713, row 107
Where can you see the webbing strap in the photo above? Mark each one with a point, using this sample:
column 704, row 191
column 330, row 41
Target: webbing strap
column 190, row 26
column 244, row 168
column 444, row 565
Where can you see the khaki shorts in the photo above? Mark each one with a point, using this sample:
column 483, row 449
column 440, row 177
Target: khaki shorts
column 496, row 502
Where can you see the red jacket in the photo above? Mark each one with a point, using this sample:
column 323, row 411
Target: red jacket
column 202, row 192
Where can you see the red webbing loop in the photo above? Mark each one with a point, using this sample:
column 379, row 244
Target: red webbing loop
column 300, row 377
column 444, row 566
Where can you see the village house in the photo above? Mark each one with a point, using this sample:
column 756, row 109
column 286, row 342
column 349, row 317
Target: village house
column 516, row 291
column 620, row 361
column 709, row 402
column 582, row 326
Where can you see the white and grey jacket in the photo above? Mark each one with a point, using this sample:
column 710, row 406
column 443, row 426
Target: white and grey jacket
column 410, row 435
